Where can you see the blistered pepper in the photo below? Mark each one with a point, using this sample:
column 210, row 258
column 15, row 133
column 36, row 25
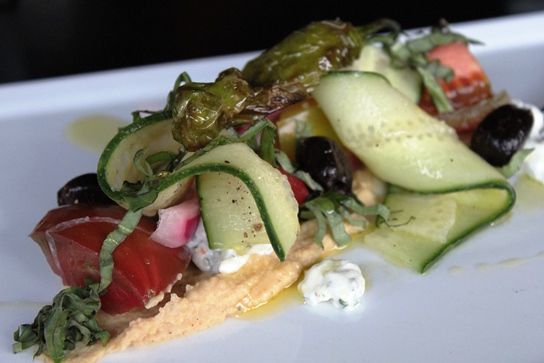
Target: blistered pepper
column 305, row 55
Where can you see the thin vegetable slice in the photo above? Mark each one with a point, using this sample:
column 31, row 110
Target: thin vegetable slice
column 423, row 159
column 151, row 136
column 230, row 215
column 374, row 59
column 267, row 186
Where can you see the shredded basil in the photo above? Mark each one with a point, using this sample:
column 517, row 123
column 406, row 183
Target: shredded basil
column 60, row 326
column 70, row 319
column 332, row 208
column 515, row 164
column 114, row 239
column 412, row 54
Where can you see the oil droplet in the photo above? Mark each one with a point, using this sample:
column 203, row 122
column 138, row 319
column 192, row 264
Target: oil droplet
column 93, row 132
column 513, row 262
column 456, row 270
column 287, row 298
column 508, row 263
column 483, row 267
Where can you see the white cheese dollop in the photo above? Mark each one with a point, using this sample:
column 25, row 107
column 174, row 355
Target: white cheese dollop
column 223, row 261
column 201, row 254
column 232, row 262
column 337, row 282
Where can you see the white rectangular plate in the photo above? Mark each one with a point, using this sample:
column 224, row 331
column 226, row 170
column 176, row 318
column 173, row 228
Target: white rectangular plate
column 482, row 302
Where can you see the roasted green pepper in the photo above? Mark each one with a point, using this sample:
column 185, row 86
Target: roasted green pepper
column 305, row 55
column 201, row 110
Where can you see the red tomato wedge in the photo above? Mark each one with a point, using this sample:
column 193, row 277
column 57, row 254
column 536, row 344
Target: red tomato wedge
column 71, row 238
column 300, row 190
column 470, row 84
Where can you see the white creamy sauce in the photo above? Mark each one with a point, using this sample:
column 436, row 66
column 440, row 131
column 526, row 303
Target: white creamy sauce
column 336, row 282
column 232, row 262
column 202, row 256
column 220, row 261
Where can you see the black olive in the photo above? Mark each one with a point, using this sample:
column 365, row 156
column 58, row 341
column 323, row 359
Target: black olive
column 83, row 189
column 326, row 163
column 501, row 134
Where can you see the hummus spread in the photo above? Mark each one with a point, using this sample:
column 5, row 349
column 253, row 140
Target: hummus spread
column 201, row 300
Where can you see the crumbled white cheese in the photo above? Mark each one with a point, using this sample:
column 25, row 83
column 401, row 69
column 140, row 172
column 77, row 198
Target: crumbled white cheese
column 337, row 282
column 202, row 256
column 224, row 261
column 232, row 262
column 533, row 165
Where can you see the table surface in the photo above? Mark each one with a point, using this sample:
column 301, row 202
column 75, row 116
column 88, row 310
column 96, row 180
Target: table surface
column 42, row 39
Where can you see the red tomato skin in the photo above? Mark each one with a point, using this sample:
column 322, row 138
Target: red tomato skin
column 71, row 238
column 470, row 84
column 300, row 190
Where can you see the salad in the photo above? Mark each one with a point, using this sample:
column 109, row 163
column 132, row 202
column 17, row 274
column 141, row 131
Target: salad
column 145, row 176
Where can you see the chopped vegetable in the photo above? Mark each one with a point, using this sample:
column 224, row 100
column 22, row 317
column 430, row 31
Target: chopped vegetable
column 202, row 110
column 300, row 190
column 469, row 84
column 177, row 224
column 305, row 55
column 302, row 119
column 72, row 237
column 424, row 157
column 244, row 200
column 414, row 53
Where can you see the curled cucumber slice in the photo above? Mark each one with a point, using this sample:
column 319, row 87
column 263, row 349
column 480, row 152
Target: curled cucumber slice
column 116, row 164
column 440, row 190
column 273, row 204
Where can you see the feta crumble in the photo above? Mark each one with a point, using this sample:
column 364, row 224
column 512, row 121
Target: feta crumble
column 220, row 261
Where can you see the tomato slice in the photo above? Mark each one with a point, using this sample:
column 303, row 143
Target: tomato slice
column 300, row 190
column 71, row 238
column 470, row 84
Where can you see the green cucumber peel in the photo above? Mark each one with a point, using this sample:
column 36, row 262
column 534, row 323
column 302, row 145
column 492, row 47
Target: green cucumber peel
column 155, row 183
column 465, row 225
column 422, row 160
column 260, row 200
column 164, row 180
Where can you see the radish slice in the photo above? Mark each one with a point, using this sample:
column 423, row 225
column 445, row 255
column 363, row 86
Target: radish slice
column 177, row 224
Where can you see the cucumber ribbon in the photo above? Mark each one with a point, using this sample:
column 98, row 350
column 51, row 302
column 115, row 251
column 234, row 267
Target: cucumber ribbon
column 440, row 191
column 229, row 153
